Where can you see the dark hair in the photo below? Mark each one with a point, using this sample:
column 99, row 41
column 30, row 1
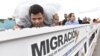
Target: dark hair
column 35, row 9
column 70, row 15
column 94, row 20
column 65, row 14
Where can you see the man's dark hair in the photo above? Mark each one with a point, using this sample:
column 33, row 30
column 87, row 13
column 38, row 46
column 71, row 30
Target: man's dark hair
column 35, row 9
column 94, row 20
column 70, row 15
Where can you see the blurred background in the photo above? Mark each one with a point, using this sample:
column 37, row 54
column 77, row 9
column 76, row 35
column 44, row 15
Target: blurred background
column 81, row 8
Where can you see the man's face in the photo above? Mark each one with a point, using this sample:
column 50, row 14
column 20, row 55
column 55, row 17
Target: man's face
column 37, row 19
column 65, row 15
column 56, row 19
column 72, row 17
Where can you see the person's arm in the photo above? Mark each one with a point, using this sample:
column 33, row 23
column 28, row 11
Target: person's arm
column 16, row 27
column 20, row 23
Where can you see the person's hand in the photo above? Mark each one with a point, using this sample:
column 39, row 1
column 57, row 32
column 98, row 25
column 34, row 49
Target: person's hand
column 16, row 27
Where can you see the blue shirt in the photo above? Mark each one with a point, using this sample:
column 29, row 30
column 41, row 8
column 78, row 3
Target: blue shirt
column 8, row 24
column 72, row 23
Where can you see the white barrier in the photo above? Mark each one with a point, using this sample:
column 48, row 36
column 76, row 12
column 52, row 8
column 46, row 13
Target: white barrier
column 78, row 40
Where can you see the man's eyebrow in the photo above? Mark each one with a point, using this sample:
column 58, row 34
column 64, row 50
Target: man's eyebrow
column 33, row 18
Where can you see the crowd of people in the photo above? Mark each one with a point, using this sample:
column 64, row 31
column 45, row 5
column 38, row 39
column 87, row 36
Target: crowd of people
column 36, row 16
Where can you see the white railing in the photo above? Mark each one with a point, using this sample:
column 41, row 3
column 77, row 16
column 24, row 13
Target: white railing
column 69, row 40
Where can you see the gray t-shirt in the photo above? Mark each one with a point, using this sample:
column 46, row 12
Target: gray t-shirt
column 21, row 15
